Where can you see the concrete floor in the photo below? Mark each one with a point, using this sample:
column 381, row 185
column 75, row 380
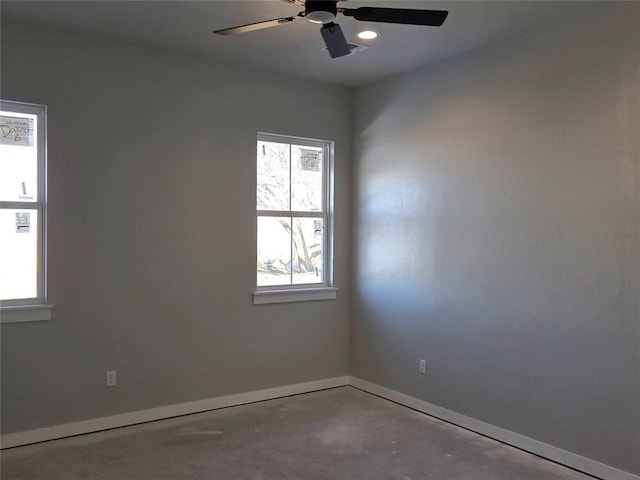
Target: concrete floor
column 341, row 433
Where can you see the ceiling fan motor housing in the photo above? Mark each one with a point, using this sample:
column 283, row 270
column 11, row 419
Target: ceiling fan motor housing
column 318, row 11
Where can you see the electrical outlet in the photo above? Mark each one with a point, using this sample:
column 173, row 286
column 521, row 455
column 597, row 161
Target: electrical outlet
column 111, row 378
column 422, row 368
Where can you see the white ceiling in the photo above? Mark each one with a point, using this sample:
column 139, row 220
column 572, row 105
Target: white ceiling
column 296, row 48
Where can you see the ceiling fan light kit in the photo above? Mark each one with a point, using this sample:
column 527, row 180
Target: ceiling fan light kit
column 325, row 12
column 320, row 11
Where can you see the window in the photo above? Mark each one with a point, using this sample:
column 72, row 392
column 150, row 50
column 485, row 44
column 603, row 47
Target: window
column 294, row 219
column 22, row 212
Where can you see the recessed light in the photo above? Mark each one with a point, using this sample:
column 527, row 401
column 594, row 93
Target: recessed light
column 367, row 35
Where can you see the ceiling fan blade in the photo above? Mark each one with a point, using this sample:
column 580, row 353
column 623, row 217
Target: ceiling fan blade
column 334, row 40
column 250, row 27
column 432, row 18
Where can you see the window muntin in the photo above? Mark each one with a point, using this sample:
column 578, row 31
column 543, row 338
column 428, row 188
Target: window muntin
column 293, row 212
column 22, row 205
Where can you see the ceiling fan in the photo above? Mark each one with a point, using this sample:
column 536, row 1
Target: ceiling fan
column 325, row 12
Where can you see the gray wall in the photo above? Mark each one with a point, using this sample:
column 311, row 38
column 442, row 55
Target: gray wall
column 152, row 231
column 496, row 225
column 495, row 233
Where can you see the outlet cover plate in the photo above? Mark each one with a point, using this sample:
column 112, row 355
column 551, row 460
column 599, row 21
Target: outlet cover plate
column 111, row 378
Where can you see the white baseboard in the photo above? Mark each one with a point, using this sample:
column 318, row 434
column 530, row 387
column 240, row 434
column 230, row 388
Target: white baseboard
column 159, row 413
column 536, row 447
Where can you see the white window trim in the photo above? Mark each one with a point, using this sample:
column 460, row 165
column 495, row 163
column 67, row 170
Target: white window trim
column 261, row 297
column 25, row 313
column 305, row 292
column 32, row 309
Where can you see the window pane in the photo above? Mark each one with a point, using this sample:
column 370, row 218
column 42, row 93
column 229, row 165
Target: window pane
column 306, row 178
column 308, row 250
column 19, row 254
column 274, row 251
column 273, row 176
column 18, row 157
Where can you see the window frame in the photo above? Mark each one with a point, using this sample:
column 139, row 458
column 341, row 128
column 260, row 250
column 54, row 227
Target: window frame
column 36, row 308
column 324, row 290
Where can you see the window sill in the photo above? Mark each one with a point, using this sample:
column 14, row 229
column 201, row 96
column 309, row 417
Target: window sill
column 261, row 297
column 25, row 313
